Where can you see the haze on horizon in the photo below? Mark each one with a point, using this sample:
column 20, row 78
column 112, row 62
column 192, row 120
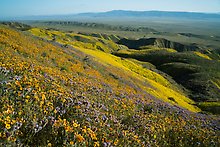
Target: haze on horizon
column 15, row 8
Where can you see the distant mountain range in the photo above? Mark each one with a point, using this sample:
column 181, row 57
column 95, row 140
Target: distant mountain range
column 124, row 14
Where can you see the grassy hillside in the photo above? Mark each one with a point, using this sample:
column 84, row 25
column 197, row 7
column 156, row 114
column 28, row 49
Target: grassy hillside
column 205, row 33
column 59, row 90
column 198, row 71
column 156, row 42
column 137, row 71
column 79, row 40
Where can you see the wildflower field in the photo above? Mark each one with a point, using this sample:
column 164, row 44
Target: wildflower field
column 68, row 92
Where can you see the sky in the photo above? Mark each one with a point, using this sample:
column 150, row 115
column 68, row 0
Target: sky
column 14, row 8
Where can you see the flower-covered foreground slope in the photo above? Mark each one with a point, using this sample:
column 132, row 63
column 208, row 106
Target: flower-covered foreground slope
column 54, row 96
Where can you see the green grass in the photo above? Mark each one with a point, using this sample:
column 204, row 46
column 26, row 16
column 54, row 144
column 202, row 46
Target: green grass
column 77, row 40
column 162, row 88
column 163, row 29
column 192, row 71
column 212, row 107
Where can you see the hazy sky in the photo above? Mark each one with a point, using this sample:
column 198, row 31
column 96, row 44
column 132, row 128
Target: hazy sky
column 49, row 7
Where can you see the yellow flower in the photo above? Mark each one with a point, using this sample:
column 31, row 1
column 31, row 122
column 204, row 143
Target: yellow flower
column 43, row 97
column 135, row 137
column 84, row 130
column 116, row 142
column 93, row 136
column 17, row 83
column 77, row 107
column 124, row 132
column 68, row 129
column 8, row 126
column 79, row 138
column 13, row 121
column 96, row 144
column 36, row 97
column 75, row 125
column 41, row 103
column 13, row 139
column 65, row 122
column 8, row 119
column 49, row 144
column 71, row 143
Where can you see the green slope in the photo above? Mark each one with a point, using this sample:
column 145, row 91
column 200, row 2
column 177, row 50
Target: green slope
column 197, row 71
column 164, row 89
column 53, row 95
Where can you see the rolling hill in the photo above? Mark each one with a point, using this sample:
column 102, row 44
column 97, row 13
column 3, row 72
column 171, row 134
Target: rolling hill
column 74, row 89
column 156, row 42
column 194, row 68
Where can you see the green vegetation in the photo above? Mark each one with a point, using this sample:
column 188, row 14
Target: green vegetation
column 194, row 70
column 160, row 83
column 213, row 107
column 156, row 42
column 202, row 33
column 78, row 40
column 17, row 25
column 69, row 89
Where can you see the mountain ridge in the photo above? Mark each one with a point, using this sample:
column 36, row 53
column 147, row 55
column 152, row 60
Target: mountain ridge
column 152, row 13
column 122, row 13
